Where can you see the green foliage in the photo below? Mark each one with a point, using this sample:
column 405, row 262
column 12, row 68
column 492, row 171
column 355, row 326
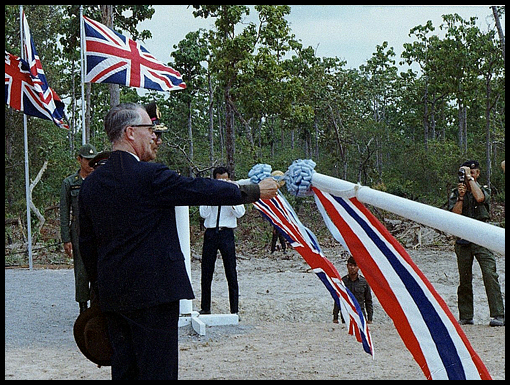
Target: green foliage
column 255, row 94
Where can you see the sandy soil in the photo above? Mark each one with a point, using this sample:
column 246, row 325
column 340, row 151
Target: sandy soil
column 285, row 332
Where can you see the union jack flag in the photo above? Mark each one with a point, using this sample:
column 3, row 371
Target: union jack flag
column 113, row 58
column 280, row 213
column 26, row 88
column 49, row 99
column 20, row 91
column 422, row 318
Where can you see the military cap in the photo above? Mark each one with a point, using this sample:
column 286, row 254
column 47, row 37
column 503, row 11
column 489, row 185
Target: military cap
column 153, row 111
column 99, row 159
column 471, row 164
column 87, row 151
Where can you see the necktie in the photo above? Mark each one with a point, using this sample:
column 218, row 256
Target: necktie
column 218, row 219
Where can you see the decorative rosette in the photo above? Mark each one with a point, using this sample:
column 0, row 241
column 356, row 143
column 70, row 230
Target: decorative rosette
column 258, row 172
column 299, row 177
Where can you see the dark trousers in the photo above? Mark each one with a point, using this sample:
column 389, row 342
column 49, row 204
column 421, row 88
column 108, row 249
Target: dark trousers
column 277, row 236
column 222, row 240
column 81, row 279
column 487, row 262
column 144, row 343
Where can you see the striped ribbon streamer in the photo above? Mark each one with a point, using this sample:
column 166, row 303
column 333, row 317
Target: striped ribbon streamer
column 280, row 213
column 422, row 318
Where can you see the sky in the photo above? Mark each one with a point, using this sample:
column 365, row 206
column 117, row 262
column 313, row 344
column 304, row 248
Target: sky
column 349, row 32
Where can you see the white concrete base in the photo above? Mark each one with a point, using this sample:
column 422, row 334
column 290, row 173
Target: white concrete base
column 199, row 322
column 187, row 316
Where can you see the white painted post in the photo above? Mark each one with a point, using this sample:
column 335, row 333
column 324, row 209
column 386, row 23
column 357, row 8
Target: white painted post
column 187, row 315
column 182, row 220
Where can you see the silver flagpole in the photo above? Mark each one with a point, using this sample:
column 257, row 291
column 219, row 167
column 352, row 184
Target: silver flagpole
column 27, row 175
column 82, row 54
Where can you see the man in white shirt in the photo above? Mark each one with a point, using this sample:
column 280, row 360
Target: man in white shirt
column 219, row 235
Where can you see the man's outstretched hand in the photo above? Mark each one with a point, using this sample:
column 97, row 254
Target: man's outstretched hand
column 268, row 188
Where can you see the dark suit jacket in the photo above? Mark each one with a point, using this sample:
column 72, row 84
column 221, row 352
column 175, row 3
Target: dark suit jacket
column 128, row 233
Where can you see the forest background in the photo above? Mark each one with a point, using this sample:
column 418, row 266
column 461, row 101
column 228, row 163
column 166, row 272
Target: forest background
column 255, row 94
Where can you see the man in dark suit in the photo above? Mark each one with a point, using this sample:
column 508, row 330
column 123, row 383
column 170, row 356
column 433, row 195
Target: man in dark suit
column 129, row 237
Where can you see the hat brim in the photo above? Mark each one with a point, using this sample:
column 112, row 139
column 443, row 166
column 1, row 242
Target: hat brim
column 98, row 158
column 160, row 128
column 91, row 335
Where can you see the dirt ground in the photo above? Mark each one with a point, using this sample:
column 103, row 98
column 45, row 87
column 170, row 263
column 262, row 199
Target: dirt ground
column 286, row 329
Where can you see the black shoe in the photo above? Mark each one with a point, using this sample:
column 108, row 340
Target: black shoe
column 204, row 312
column 237, row 314
column 466, row 321
column 497, row 321
column 83, row 306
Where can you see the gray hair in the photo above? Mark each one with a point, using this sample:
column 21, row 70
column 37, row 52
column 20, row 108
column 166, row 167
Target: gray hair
column 119, row 117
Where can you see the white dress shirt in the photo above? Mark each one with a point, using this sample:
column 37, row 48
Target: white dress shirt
column 228, row 215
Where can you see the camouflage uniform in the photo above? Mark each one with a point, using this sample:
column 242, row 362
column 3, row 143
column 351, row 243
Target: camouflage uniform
column 466, row 251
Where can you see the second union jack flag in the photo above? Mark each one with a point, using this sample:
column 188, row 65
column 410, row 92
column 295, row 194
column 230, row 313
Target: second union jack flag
column 23, row 95
column 113, row 58
column 26, row 88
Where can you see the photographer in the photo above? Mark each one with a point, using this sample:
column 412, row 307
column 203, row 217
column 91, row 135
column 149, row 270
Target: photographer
column 472, row 200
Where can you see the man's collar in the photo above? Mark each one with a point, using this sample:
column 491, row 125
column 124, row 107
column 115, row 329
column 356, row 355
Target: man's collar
column 136, row 156
column 128, row 152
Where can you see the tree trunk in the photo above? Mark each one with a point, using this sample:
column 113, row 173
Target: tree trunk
column 211, row 120
column 488, row 142
column 462, row 124
column 229, row 134
column 190, row 139
column 41, row 218
column 500, row 31
column 107, row 19
column 249, row 131
column 426, row 116
column 221, row 130
column 465, row 122
column 432, row 122
column 114, row 94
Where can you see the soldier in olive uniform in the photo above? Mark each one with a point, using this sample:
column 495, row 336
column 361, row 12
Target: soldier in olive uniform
column 69, row 227
column 472, row 200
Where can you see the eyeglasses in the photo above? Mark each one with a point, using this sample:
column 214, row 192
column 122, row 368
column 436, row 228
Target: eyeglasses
column 151, row 128
column 148, row 126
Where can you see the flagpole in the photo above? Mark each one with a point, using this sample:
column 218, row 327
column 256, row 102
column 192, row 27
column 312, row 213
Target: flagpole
column 25, row 139
column 82, row 55
column 481, row 233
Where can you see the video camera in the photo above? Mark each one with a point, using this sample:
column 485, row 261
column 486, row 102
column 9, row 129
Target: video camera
column 462, row 175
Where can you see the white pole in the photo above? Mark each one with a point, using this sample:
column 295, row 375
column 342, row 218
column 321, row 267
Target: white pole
column 27, row 175
column 481, row 233
column 182, row 221
column 82, row 55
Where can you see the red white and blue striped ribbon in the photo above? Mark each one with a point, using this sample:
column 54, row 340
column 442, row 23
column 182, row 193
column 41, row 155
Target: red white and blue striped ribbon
column 426, row 325
column 280, row 213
